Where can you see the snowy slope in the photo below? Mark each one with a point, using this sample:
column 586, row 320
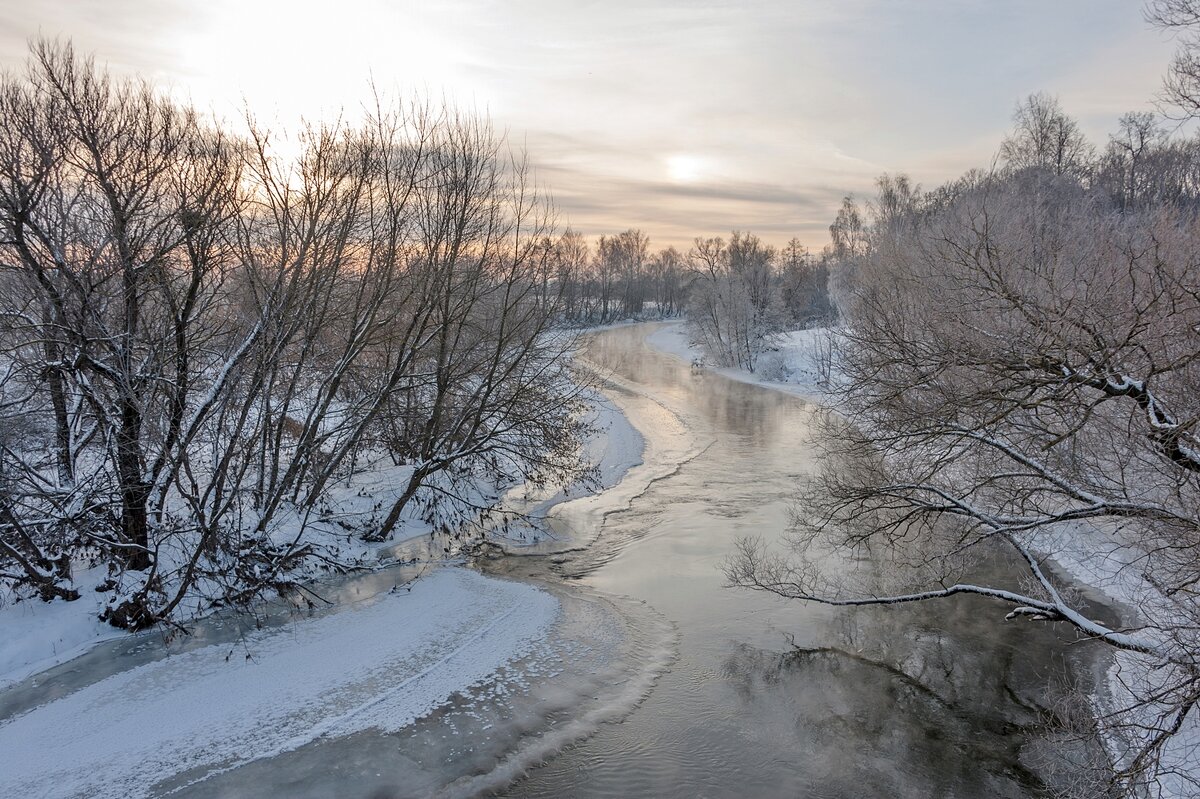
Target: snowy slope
column 379, row 665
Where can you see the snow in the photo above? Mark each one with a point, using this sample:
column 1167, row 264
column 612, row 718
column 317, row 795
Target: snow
column 619, row 449
column 380, row 664
column 793, row 364
column 629, row 464
column 1107, row 566
column 38, row 635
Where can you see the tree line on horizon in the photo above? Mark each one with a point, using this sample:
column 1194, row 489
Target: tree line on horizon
column 735, row 292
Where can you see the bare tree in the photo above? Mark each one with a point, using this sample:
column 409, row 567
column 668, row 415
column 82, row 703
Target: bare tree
column 116, row 210
column 804, row 287
column 1045, row 137
column 1181, row 87
column 492, row 386
column 664, row 275
column 733, row 300
column 848, row 230
column 1144, row 166
column 571, row 256
column 1021, row 370
column 213, row 337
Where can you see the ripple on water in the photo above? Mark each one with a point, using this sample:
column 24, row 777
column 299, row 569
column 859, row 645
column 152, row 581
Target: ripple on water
column 599, row 662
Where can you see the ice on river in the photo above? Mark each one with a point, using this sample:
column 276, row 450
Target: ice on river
column 380, row 664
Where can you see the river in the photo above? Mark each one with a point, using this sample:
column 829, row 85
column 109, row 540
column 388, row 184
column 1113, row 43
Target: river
column 770, row 697
column 658, row 680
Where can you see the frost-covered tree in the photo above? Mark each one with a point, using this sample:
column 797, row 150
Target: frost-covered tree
column 1020, row 372
column 666, row 273
column 1044, row 137
column 734, row 300
column 804, row 287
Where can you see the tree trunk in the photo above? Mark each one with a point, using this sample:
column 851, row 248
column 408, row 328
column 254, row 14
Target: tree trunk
column 135, row 492
column 389, row 523
column 62, row 423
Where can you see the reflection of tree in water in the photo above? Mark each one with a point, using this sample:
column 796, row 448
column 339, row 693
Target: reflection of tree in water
column 907, row 713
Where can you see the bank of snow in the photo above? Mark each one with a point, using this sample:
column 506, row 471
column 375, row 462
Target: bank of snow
column 1107, row 566
column 36, row 635
column 797, row 361
column 617, row 449
column 380, row 664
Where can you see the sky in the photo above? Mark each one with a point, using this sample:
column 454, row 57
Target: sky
column 679, row 118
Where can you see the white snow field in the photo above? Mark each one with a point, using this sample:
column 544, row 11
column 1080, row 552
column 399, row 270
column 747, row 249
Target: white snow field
column 380, row 664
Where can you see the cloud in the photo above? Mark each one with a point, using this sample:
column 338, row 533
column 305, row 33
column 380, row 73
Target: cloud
column 133, row 36
column 781, row 107
column 600, row 205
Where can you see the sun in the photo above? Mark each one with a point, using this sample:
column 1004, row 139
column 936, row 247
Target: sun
column 683, row 168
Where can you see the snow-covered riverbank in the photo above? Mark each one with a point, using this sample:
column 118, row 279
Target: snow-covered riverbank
column 35, row 635
column 379, row 665
column 797, row 362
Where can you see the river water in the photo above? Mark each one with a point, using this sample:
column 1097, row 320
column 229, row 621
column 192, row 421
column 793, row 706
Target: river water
column 769, row 697
column 659, row 681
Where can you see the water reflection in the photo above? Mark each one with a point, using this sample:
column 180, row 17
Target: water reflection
column 763, row 697
column 775, row 698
